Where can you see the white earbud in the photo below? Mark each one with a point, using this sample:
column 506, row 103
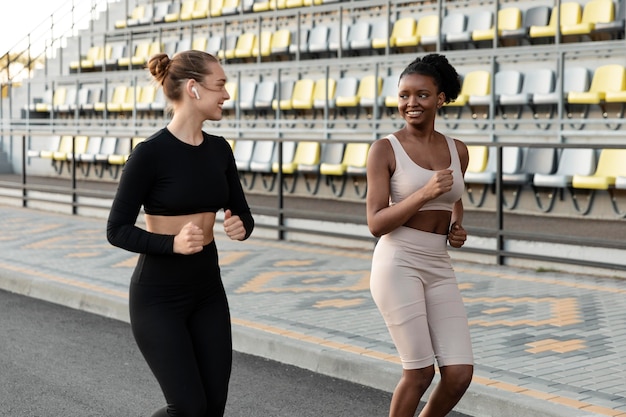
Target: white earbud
column 195, row 91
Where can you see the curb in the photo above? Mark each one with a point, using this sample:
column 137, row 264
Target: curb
column 479, row 401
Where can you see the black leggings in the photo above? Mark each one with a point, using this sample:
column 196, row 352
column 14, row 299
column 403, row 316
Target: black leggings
column 180, row 319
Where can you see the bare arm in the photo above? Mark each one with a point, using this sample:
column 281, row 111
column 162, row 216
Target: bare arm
column 382, row 218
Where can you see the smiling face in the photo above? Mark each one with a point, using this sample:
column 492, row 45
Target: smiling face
column 212, row 92
column 418, row 99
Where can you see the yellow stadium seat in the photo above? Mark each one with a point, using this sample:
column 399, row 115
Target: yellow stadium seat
column 302, row 96
column 475, row 83
column 596, row 11
column 94, row 54
column 68, row 145
column 58, row 98
column 354, row 156
column 324, row 89
column 201, row 9
column 138, row 13
column 610, row 165
column 404, row 33
column 477, row 158
column 307, row 153
column 199, row 44
column 369, row 89
column 265, row 49
column 428, row 30
column 509, row 18
column 607, row 78
column 118, row 97
column 570, row 14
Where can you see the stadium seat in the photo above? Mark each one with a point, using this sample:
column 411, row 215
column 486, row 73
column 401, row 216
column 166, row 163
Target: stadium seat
column 353, row 164
column 52, row 144
column 338, row 39
column 185, row 9
column 69, row 104
column 284, row 93
column 262, row 156
column 610, row 165
column 281, row 41
column 369, row 91
column 242, row 152
column 317, row 42
column 146, row 97
column 143, row 50
column 572, row 161
column 537, row 81
column 247, row 92
column 89, row 155
column 511, row 163
column 509, row 18
column 615, row 28
column 324, row 90
column 359, row 36
column 451, row 25
column 594, row 11
column 243, row 48
column 48, row 104
column 69, row 149
column 574, row 79
column 476, row 84
column 199, row 43
column 110, row 59
column 607, row 79
column 380, row 35
column 533, row 16
column 161, row 10
column 505, row 82
column 404, row 33
column 534, row 161
column 88, row 62
column 264, row 97
column 331, row 153
column 203, row 9
column 428, row 31
column 478, row 164
column 117, row 96
column 302, row 97
column 122, row 152
column 262, row 46
column 88, row 97
column 136, row 14
column 346, row 93
column 478, row 20
column 478, row 155
column 570, row 14
column 306, row 153
column 231, row 7
column 389, row 93
column 228, row 46
column 299, row 45
column 214, row 45
column 132, row 96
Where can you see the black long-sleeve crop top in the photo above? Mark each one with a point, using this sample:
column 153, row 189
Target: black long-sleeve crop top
column 169, row 177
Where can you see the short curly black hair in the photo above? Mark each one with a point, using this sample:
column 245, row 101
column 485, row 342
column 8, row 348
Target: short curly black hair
column 437, row 66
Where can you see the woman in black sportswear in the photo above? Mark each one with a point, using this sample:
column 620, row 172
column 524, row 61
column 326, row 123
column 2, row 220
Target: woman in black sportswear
column 182, row 176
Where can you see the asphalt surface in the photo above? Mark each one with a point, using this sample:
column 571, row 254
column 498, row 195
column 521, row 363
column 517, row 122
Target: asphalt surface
column 546, row 343
column 58, row 361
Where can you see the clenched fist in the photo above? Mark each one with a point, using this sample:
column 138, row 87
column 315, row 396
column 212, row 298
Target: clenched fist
column 189, row 240
column 233, row 226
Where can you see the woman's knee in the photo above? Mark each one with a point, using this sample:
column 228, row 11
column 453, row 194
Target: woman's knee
column 419, row 379
column 457, row 378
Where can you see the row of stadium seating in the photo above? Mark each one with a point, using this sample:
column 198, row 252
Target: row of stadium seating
column 542, row 168
column 597, row 20
column 514, row 92
column 591, row 18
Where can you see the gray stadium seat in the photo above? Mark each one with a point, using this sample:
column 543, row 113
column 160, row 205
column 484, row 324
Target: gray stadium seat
column 572, row 161
column 538, row 81
column 243, row 153
column 506, row 82
column 478, row 20
column 336, row 41
column 453, row 24
column 359, row 36
column 317, row 42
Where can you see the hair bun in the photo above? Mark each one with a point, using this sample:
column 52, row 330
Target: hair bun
column 159, row 65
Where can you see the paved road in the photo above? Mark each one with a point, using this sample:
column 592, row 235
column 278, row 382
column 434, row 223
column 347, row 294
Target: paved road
column 57, row 361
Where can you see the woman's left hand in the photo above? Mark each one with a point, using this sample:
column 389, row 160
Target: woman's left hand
column 457, row 236
column 233, row 226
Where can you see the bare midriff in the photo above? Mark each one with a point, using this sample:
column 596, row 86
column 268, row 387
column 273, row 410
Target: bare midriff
column 432, row 221
column 171, row 225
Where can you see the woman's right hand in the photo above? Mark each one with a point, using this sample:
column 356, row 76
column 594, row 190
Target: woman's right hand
column 189, row 240
column 440, row 183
